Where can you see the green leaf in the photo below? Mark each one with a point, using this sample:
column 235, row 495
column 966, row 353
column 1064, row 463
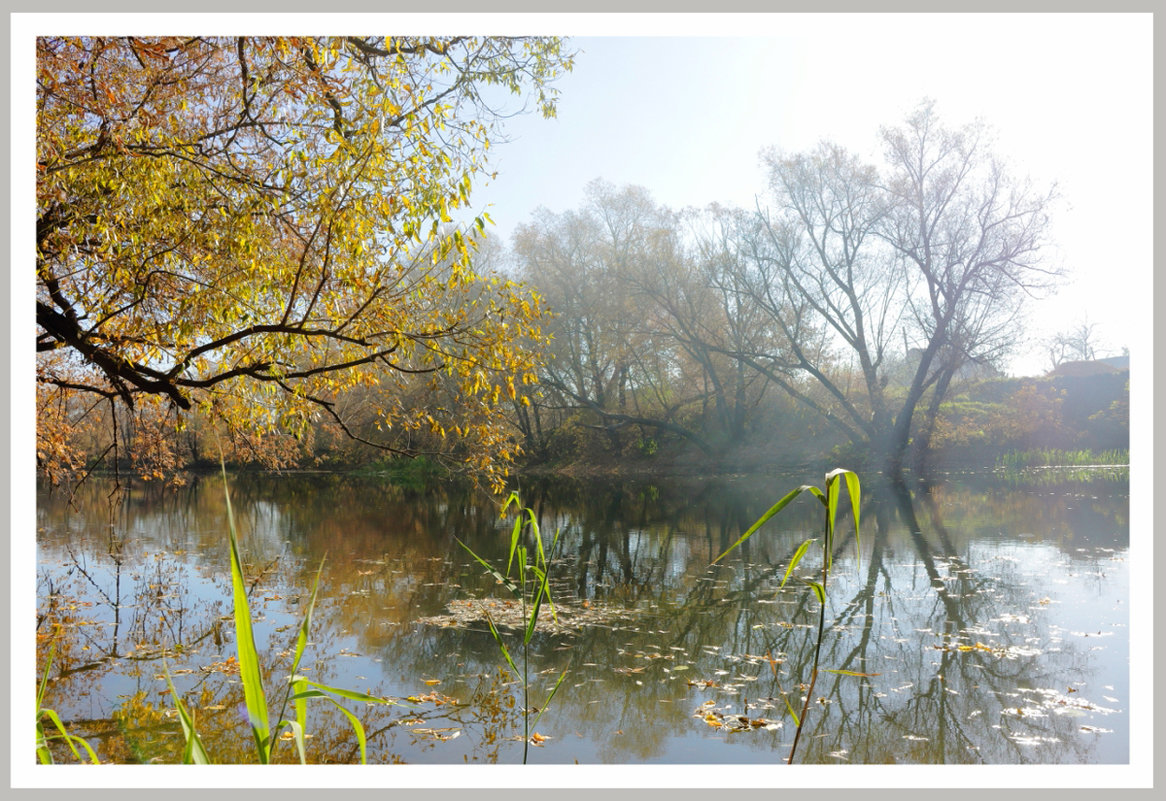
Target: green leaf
column 550, row 697
column 797, row 557
column 356, row 727
column 501, row 645
column 69, row 738
column 505, row 580
column 297, row 729
column 248, row 655
column 818, row 589
column 777, row 507
column 789, row 708
column 193, row 752
column 351, row 694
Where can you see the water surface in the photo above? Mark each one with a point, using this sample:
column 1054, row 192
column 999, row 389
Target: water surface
column 987, row 615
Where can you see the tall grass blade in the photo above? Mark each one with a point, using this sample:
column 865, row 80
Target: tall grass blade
column 352, row 695
column 70, row 739
column 501, row 644
column 777, row 507
column 357, row 727
column 515, row 534
column 504, row 580
column 854, row 490
column 550, row 697
column 248, row 655
column 294, row 680
column 540, row 593
column 43, row 754
column 297, row 730
column 193, row 752
column 789, row 708
column 797, row 557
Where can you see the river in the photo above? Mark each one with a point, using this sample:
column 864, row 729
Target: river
column 982, row 620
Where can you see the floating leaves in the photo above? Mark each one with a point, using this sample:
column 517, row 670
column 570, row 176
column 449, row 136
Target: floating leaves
column 508, row 613
column 727, row 721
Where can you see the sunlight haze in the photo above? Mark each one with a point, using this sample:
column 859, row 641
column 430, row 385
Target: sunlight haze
column 685, row 116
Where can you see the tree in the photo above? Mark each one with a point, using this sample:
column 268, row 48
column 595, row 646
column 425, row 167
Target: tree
column 642, row 331
column 972, row 233
column 937, row 251
column 250, row 227
column 1079, row 343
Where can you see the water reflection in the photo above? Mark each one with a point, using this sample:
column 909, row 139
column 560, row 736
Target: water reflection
column 989, row 616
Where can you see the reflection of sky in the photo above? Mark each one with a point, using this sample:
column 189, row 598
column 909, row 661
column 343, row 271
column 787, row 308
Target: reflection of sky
column 1022, row 657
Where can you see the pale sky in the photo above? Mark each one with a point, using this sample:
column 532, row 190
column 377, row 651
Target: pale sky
column 654, row 101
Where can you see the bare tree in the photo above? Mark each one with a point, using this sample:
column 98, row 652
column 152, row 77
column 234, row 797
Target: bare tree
column 1077, row 344
column 971, row 233
column 937, row 251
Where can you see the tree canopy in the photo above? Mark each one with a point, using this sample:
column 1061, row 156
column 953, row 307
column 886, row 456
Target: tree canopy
column 252, row 227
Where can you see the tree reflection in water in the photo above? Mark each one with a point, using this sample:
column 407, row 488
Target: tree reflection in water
column 993, row 614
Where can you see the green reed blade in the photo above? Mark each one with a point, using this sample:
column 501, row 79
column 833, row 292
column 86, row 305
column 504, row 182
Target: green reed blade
column 301, row 646
column 193, row 751
column 43, row 754
column 854, row 489
column 850, row 673
column 541, row 593
column 538, row 540
column 248, row 655
column 501, row 645
column 44, row 679
column 515, row 536
column 504, row 580
column 350, row 694
column 550, row 697
column 777, row 507
column 357, row 728
column 300, row 684
column 818, row 588
column 789, row 708
column 797, row 557
column 305, row 626
column 70, row 739
column 297, row 730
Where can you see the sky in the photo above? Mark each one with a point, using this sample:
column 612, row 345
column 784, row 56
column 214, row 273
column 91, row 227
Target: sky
column 683, row 107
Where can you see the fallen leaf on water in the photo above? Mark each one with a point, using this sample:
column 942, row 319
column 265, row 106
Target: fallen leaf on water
column 432, row 682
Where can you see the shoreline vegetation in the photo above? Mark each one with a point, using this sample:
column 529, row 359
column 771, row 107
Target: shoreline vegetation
column 420, row 473
column 1004, row 424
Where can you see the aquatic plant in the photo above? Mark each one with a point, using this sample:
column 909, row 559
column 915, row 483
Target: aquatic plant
column 829, row 499
column 44, row 735
column 299, row 689
column 532, row 589
column 1055, row 457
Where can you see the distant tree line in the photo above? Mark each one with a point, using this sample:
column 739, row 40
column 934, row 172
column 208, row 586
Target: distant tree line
column 246, row 246
column 848, row 305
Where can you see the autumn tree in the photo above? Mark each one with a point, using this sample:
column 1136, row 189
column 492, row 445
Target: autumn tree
column 250, row 227
column 615, row 277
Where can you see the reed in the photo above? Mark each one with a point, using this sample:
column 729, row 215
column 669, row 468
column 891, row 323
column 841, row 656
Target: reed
column 1056, row 457
column 532, row 589
column 829, row 498
column 298, row 688
column 45, row 735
